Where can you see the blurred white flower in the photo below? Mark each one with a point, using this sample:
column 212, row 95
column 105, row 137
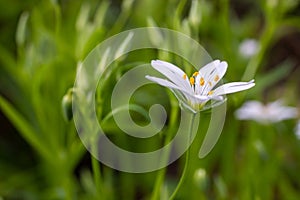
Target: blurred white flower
column 194, row 92
column 297, row 130
column 248, row 48
column 270, row 113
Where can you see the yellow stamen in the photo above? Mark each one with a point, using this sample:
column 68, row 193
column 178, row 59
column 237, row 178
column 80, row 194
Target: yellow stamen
column 209, row 83
column 184, row 76
column 192, row 81
column 202, row 82
column 216, row 78
column 195, row 74
column 210, row 92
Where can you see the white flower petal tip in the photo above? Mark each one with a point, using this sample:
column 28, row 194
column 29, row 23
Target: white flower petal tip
column 155, row 62
column 233, row 87
column 195, row 91
column 162, row 82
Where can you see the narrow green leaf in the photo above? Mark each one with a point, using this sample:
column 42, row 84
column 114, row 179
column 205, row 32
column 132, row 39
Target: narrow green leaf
column 25, row 129
column 134, row 107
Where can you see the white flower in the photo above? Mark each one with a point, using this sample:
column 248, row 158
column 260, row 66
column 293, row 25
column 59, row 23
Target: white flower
column 297, row 130
column 271, row 113
column 194, row 92
column 248, row 48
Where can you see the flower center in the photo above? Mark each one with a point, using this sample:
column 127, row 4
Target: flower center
column 202, row 82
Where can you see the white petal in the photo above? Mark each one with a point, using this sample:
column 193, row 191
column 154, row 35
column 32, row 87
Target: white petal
column 275, row 104
column 172, row 86
column 253, row 110
column 253, row 105
column 173, row 73
column 184, row 96
column 288, row 113
column 220, row 71
column 203, row 73
column 214, row 77
column 201, row 98
column 208, row 73
column 209, row 67
column 170, row 66
column 217, row 98
column 281, row 112
column 297, row 130
column 233, row 87
column 163, row 82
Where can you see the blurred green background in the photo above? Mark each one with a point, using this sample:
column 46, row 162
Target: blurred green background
column 41, row 44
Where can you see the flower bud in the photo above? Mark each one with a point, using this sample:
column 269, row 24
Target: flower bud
column 124, row 46
column 155, row 35
column 127, row 5
column 261, row 150
column 200, row 178
column 67, row 105
column 195, row 15
column 272, row 4
column 21, row 29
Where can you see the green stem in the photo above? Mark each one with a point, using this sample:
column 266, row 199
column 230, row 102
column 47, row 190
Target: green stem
column 178, row 14
column 120, row 22
column 68, row 188
column 97, row 174
column 256, row 60
column 180, row 8
column 161, row 174
column 159, row 179
column 184, row 173
column 57, row 15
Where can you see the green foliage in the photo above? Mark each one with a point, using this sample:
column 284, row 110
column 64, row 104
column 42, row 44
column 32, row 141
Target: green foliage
column 44, row 42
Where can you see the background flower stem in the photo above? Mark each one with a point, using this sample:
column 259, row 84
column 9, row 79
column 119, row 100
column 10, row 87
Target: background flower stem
column 264, row 43
column 97, row 175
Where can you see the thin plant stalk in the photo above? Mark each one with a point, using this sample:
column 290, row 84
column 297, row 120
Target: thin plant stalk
column 187, row 158
column 161, row 173
column 97, row 174
column 264, row 43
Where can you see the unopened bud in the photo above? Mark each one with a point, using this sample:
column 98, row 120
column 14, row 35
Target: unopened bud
column 260, row 148
column 155, row 35
column 21, row 29
column 200, row 178
column 195, row 15
column 67, row 105
column 127, row 5
column 272, row 4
